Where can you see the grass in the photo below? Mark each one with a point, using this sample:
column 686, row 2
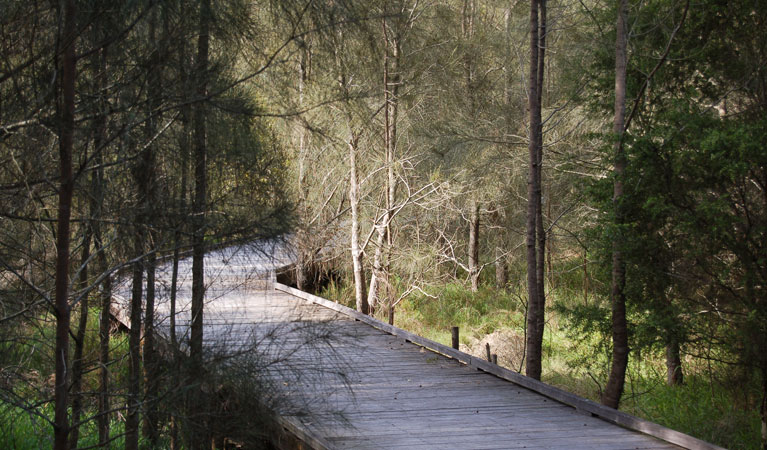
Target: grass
column 28, row 349
column 699, row 408
column 22, row 429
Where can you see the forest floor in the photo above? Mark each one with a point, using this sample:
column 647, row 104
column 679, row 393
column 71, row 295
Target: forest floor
column 711, row 404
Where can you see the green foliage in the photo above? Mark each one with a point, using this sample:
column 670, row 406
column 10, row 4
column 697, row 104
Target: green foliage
column 701, row 408
column 24, row 429
column 479, row 313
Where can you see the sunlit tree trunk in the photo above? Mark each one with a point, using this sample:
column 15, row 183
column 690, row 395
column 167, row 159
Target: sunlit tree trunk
column 354, row 200
column 614, row 388
column 474, row 246
column 304, row 252
column 379, row 280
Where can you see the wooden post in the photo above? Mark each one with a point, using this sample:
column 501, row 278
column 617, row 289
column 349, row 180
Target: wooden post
column 456, row 343
column 487, row 350
column 495, row 358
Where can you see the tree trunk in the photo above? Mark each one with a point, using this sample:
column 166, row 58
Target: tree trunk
column 378, row 272
column 391, row 86
column 178, row 242
column 154, row 92
column 354, row 200
column 97, row 200
column 674, row 374
column 77, row 361
column 197, row 438
column 134, row 349
column 474, row 246
column 614, row 388
column 66, row 189
column 533, row 351
column 540, row 271
column 104, row 337
column 763, row 409
column 380, row 276
column 182, row 215
column 151, row 363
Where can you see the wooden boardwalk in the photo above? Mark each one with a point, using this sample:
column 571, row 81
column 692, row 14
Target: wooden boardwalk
column 344, row 380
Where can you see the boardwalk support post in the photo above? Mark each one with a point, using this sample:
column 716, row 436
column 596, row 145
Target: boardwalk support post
column 456, row 343
column 487, row 350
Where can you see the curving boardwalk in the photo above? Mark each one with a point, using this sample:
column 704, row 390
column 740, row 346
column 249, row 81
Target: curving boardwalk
column 344, row 380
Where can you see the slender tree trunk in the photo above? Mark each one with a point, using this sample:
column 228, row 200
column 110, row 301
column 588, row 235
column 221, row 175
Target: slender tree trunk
column 66, row 189
column 380, row 277
column 151, row 375
column 181, row 227
column 354, row 200
column 674, row 374
column 104, row 337
column 501, row 267
column 183, row 213
column 151, row 363
column 533, row 352
column 391, row 87
column 540, row 270
column 467, row 32
column 200, row 191
column 763, row 409
column 474, row 246
column 77, row 361
column 378, row 272
column 99, row 140
column 134, row 347
column 198, row 439
column 305, row 264
column 614, row 388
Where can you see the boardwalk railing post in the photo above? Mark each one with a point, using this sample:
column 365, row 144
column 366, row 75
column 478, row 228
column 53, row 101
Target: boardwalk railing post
column 487, row 350
column 456, row 342
column 495, row 358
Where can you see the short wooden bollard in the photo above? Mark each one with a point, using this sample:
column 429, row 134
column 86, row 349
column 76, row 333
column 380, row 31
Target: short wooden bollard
column 487, row 350
column 495, row 358
column 456, row 343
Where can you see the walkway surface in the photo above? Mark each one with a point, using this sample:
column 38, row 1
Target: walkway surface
column 343, row 380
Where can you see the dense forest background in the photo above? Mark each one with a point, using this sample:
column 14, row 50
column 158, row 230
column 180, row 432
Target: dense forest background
column 580, row 184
